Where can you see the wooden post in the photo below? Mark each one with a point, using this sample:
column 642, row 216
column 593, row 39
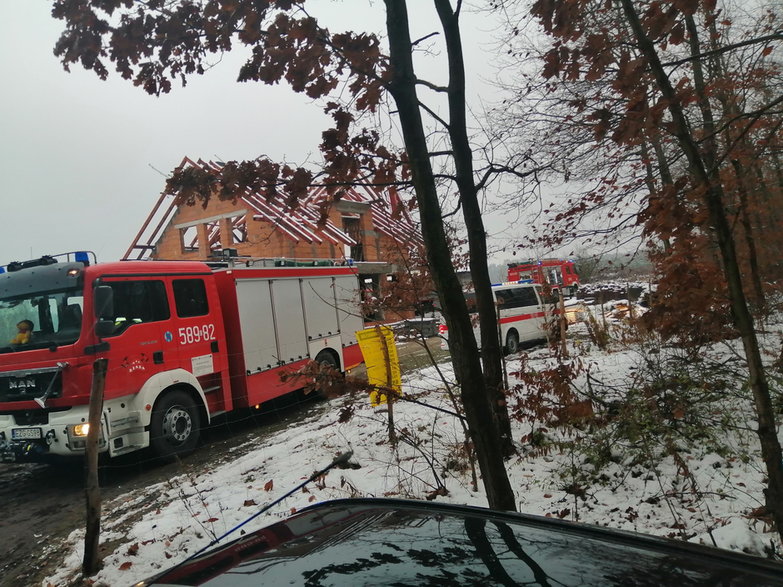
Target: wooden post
column 563, row 345
column 389, row 385
column 91, row 563
column 503, row 351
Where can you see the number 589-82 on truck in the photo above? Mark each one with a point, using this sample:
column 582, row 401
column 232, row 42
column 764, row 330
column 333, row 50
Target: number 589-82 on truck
column 185, row 341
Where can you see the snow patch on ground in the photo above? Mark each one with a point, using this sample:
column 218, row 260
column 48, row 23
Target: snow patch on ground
column 164, row 524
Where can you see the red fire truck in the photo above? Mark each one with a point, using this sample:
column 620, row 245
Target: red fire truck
column 185, row 341
column 555, row 272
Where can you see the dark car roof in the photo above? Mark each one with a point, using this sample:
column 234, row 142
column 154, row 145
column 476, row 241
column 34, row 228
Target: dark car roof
column 398, row 542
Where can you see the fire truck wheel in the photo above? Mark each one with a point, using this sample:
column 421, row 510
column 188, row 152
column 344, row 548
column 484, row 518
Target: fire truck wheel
column 327, row 358
column 512, row 342
column 324, row 386
column 175, row 424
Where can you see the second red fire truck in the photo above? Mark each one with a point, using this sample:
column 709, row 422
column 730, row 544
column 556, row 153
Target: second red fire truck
column 555, row 272
column 185, row 341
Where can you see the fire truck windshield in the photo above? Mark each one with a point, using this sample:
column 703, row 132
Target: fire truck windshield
column 56, row 318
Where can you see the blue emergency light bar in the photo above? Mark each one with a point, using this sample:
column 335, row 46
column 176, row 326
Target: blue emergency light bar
column 75, row 256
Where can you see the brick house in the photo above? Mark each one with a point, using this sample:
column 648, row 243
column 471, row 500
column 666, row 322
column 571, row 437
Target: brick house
column 369, row 227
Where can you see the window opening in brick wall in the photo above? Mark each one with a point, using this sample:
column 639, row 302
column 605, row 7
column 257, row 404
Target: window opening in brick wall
column 213, row 234
column 239, row 229
column 189, row 239
column 352, row 227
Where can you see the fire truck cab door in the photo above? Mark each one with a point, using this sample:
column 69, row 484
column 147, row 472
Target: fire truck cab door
column 136, row 345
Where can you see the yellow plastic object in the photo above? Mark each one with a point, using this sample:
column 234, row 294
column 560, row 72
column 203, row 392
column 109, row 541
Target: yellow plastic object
column 383, row 365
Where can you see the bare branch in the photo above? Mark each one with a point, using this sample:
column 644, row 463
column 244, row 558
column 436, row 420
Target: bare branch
column 426, row 84
column 424, row 38
column 777, row 36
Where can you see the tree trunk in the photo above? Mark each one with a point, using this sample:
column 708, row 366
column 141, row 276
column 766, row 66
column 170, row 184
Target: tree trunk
column 471, row 211
column 478, row 410
column 750, row 241
column 649, row 177
column 91, row 561
column 730, row 110
column 743, row 321
column 769, row 203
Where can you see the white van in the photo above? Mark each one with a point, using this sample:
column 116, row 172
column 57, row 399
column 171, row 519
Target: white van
column 523, row 315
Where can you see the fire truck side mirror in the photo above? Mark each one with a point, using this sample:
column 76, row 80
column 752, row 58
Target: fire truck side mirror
column 104, row 310
column 104, row 302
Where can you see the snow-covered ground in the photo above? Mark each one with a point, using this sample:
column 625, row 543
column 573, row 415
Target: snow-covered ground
column 707, row 490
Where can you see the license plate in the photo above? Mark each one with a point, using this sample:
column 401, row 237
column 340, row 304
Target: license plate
column 26, row 434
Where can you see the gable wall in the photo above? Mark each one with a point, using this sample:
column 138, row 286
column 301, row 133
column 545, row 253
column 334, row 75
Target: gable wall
column 263, row 239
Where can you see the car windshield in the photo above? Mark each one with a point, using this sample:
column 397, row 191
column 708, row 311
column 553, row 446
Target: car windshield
column 56, row 318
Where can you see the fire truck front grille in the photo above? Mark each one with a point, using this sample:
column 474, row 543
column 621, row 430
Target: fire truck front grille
column 25, row 386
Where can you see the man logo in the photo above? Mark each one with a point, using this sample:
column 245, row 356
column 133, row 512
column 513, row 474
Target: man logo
column 22, row 384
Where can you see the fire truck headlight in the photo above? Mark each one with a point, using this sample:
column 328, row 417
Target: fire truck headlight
column 80, row 430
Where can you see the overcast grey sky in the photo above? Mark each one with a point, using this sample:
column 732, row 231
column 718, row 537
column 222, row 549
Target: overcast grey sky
column 83, row 161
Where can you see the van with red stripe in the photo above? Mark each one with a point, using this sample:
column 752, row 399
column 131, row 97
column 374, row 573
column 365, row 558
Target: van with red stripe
column 523, row 315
